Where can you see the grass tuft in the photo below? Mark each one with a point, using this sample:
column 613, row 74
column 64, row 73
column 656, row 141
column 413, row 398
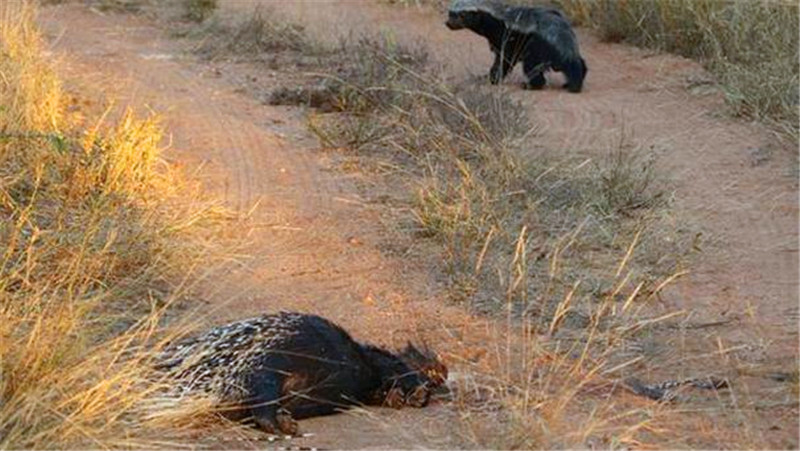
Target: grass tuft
column 253, row 36
column 199, row 10
column 95, row 234
column 30, row 90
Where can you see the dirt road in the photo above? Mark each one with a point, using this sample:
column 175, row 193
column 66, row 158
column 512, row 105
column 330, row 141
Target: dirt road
column 315, row 242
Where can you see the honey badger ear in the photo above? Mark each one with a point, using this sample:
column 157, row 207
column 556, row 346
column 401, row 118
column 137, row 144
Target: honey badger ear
column 424, row 360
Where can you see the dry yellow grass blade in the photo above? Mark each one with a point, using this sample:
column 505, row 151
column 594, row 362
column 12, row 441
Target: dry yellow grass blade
column 92, row 222
column 30, row 92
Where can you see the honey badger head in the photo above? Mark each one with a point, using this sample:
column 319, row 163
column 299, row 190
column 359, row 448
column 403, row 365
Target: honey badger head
column 466, row 13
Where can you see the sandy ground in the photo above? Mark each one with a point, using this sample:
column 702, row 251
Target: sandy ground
column 315, row 242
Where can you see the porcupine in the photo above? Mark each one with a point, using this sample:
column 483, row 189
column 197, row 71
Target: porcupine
column 276, row 368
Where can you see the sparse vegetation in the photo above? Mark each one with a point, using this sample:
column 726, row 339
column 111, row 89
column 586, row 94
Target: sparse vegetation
column 252, row 36
column 198, row 10
column 573, row 250
column 476, row 188
column 92, row 242
column 751, row 47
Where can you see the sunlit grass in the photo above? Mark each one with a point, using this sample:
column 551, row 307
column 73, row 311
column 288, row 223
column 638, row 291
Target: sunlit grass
column 97, row 240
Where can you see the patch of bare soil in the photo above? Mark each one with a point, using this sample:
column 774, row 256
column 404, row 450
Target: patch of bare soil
column 315, row 242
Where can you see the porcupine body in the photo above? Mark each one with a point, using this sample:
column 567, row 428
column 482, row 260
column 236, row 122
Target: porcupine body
column 279, row 367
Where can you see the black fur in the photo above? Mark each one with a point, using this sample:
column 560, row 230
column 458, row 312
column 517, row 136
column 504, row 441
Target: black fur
column 541, row 38
column 286, row 366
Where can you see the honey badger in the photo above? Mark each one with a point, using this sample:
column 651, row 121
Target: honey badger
column 541, row 37
column 285, row 366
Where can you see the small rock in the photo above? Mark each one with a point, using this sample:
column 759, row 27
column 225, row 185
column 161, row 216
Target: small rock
column 759, row 155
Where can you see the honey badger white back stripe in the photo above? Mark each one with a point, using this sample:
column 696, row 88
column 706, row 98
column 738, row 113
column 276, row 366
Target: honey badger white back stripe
column 494, row 8
column 548, row 23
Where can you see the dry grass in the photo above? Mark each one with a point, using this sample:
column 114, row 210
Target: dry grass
column 751, row 47
column 96, row 244
column 31, row 92
column 572, row 252
column 198, row 10
column 474, row 191
column 249, row 37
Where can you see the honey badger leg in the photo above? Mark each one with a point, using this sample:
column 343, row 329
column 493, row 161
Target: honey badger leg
column 535, row 81
column 534, row 64
column 265, row 390
column 575, row 71
column 499, row 71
